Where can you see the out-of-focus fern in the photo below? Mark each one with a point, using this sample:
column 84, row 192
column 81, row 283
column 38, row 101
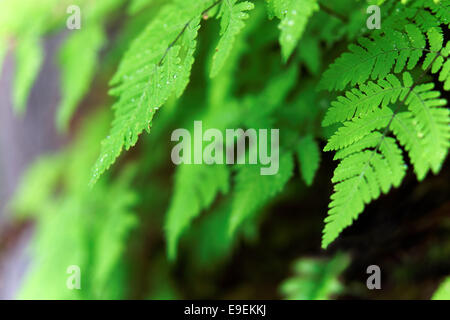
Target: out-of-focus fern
column 196, row 187
column 443, row 292
column 78, row 55
column 78, row 60
column 16, row 35
column 76, row 226
column 254, row 190
column 29, row 57
column 137, row 5
column 294, row 15
column 309, row 157
column 315, row 279
column 232, row 16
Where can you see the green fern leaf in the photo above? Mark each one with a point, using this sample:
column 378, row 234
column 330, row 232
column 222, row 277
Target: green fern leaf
column 157, row 66
column 196, row 187
column 309, row 157
column 232, row 21
column 253, row 190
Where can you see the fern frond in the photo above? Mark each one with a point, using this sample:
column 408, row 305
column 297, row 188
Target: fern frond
column 232, row 22
column 371, row 161
column 253, row 190
column 196, row 187
column 381, row 54
column 360, row 178
column 157, row 66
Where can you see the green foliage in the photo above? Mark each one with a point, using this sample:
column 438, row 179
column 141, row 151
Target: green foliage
column 371, row 161
column 253, row 190
column 137, row 5
column 389, row 115
column 78, row 61
column 78, row 54
column 232, row 15
column 315, row 279
column 196, row 187
column 156, row 66
column 294, row 15
column 443, row 292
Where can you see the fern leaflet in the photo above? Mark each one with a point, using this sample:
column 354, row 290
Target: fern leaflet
column 232, row 17
column 393, row 51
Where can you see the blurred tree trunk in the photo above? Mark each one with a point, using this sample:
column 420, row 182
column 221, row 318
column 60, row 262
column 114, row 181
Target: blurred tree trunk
column 22, row 139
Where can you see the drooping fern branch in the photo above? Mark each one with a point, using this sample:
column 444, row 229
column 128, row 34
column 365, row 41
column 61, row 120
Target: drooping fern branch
column 378, row 117
column 158, row 65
